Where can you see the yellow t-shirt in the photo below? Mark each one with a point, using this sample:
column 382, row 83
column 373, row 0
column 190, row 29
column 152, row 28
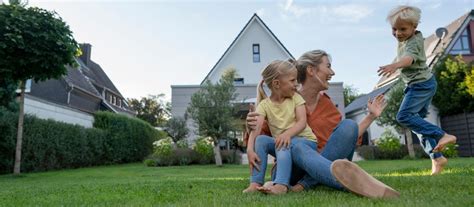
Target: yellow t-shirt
column 282, row 116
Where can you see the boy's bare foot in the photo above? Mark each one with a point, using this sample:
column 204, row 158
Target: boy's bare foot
column 276, row 189
column 446, row 139
column 297, row 188
column 252, row 188
column 437, row 165
column 356, row 180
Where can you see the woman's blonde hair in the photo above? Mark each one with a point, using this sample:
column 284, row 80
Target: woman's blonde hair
column 406, row 13
column 310, row 58
column 272, row 72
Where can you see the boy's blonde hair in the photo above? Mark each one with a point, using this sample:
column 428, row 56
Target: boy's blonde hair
column 406, row 13
column 272, row 72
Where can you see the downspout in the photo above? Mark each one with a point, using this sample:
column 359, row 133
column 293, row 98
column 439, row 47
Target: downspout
column 69, row 94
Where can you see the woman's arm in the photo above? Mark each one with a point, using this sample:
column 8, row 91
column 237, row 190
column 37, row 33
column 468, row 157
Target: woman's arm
column 283, row 140
column 375, row 107
column 253, row 158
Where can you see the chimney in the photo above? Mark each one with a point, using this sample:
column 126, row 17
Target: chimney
column 86, row 53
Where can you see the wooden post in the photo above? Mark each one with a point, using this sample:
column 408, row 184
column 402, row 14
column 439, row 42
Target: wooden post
column 19, row 138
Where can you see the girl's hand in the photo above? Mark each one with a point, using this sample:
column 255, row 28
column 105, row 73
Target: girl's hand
column 282, row 140
column 376, row 106
column 254, row 160
column 251, row 120
column 387, row 70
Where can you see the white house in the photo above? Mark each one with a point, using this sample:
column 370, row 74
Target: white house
column 455, row 39
column 253, row 48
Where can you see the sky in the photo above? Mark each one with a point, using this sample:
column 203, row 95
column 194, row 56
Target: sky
column 145, row 46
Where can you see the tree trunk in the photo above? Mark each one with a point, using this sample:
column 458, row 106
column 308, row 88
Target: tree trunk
column 411, row 151
column 217, row 155
column 19, row 138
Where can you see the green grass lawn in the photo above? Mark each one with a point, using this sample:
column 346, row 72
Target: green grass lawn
column 137, row 185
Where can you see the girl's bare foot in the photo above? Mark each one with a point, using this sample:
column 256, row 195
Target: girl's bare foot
column 276, row 189
column 253, row 187
column 438, row 165
column 446, row 139
column 297, row 188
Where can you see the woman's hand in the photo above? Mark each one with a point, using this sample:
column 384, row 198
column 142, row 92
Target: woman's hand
column 251, row 120
column 376, row 106
column 282, row 140
column 254, row 160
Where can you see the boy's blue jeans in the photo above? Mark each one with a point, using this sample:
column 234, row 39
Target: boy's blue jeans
column 414, row 109
column 311, row 168
column 265, row 145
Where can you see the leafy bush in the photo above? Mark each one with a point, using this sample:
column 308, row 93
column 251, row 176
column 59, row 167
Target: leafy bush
column 388, row 142
column 149, row 162
column 366, row 152
column 128, row 139
column 163, row 147
column 204, row 148
column 450, row 150
column 182, row 144
column 179, row 156
column 231, row 156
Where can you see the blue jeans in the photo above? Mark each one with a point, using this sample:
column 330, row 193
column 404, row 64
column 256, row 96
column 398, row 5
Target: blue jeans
column 265, row 145
column 414, row 109
column 311, row 168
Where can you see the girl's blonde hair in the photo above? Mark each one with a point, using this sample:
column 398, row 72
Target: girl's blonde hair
column 406, row 13
column 272, row 72
column 310, row 58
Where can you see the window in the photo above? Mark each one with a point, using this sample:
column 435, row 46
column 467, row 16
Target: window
column 238, row 81
column 256, row 53
column 114, row 100
column 462, row 44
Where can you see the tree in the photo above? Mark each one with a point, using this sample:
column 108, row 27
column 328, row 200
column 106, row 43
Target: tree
column 213, row 111
column 454, row 83
column 177, row 129
column 389, row 115
column 35, row 44
column 7, row 93
column 350, row 94
column 151, row 109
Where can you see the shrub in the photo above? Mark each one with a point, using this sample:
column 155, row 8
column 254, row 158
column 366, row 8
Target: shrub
column 450, row 150
column 179, row 156
column 366, row 152
column 182, row 144
column 388, row 142
column 128, row 139
column 163, row 147
column 231, row 156
column 149, row 162
column 204, row 148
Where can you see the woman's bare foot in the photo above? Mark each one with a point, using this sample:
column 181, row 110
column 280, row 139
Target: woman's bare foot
column 276, row 189
column 297, row 188
column 438, row 165
column 446, row 139
column 253, row 187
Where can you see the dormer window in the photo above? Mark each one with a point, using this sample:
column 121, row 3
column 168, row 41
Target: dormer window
column 462, row 44
column 256, row 53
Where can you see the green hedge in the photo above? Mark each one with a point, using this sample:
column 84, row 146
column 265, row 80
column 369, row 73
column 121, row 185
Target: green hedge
column 376, row 153
column 49, row 144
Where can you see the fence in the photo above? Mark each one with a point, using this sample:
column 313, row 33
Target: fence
column 461, row 126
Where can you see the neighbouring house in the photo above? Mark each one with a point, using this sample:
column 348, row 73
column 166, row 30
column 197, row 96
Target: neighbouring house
column 74, row 97
column 253, row 48
column 454, row 39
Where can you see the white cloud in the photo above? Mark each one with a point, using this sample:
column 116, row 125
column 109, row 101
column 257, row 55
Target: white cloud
column 326, row 13
column 261, row 12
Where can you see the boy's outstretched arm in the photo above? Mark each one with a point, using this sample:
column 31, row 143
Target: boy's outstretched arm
column 387, row 70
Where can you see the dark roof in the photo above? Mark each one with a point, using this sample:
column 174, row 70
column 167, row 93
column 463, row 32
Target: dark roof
column 237, row 37
column 361, row 102
column 97, row 76
column 434, row 46
column 76, row 79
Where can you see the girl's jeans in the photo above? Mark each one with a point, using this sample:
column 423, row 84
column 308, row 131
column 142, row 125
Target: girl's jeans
column 311, row 168
column 414, row 108
column 265, row 145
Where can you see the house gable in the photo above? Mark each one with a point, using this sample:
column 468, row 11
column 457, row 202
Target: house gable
column 239, row 55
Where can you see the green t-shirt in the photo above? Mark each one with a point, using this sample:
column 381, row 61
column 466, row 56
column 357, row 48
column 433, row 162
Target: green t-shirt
column 418, row 71
column 282, row 116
